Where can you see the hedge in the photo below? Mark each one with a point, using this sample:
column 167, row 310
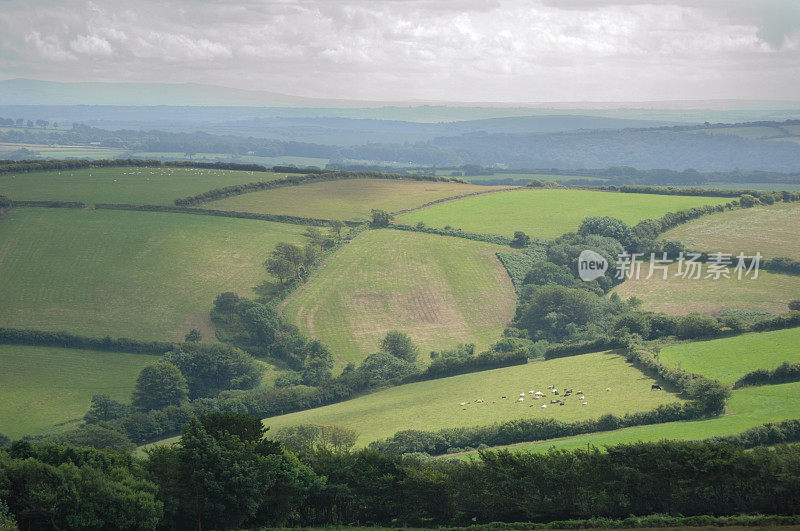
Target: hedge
column 22, row 166
column 767, row 434
column 48, row 204
column 24, row 336
column 443, row 367
column 278, row 218
column 784, row 373
column 580, row 347
column 490, row 238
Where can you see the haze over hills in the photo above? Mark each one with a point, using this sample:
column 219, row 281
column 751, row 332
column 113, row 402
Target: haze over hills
column 190, row 96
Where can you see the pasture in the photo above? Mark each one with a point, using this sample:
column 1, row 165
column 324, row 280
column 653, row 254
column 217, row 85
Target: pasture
column 44, row 389
column 770, row 230
column 434, row 404
column 120, row 273
column 155, row 186
column 747, row 408
column 345, row 199
column 770, row 292
column 440, row 290
column 547, row 213
column 730, row 358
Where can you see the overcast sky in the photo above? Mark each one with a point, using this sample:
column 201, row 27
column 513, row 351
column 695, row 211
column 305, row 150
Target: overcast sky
column 459, row 50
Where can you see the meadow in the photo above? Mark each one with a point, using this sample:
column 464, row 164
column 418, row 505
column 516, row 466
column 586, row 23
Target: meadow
column 435, row 404
column 440, row 290
column 345, row 199
column 546, row 213
column 122, row 273
column 730, row 358
column 45, row 389
column 770, row 292
column 747, row 408
column 770, row 230
column 155, row 186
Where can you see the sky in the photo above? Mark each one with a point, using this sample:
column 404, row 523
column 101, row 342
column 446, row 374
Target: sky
column 399, row 50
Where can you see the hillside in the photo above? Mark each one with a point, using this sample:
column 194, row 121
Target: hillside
column 441, row 291
column 136, row 274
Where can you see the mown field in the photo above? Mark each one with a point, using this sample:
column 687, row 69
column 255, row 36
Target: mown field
column 434, row 404
column 770, row 292
column 440, row 290
column 44, row 389
column 770, row 230
column 548, row 213
column 747, row 408
column 135, row 274
column 730, row 358
column 346, row 199
column 155, row 186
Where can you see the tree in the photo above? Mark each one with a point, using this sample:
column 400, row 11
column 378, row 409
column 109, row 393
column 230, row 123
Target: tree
column 225, row 304
column 213, row 367
column 194, row 336
column 103, row 408
column 380, row 218
column 159, row 385
column 520, row 239
column 383, row 367
column 4, row 441
column 285, row 261
column 337, row 227
column 399, row 345
column 748, row 201
column 317, row 364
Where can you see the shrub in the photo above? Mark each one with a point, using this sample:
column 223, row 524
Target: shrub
column 159, row 385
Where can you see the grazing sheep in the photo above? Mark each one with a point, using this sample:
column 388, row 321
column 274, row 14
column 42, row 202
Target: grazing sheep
column 584, row 403
column 580, row 392
column 580, row 397
column 555, row 393
column 531, row 392
column 520, row 399
column 463, row 404
column 551, row 386
column 544, row 406
column 522, row 395
column 538, row 393
column 608, row 389
column 561, row 403
column 554, row 401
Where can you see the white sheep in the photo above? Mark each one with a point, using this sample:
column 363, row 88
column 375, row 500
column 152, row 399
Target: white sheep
column 463, row 404
column 544, row 406
column 520, row 399
column 584, row 403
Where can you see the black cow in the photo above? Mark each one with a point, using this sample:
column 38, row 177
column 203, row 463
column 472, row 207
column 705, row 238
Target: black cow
column 655, row 387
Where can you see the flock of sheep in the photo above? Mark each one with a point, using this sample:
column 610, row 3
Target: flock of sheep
column 538, row 395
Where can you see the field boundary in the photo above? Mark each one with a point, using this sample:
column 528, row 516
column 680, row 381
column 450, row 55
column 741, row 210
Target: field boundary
column 275, row 218
column 454, row 198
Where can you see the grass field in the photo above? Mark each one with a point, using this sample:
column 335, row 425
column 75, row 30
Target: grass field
column 346, row 199
column 747, row 408
column 136, row 274
column 770, row 230
column 548, row 213
column 441, row 291
column 744, row 132
column 770, row 292
column 435, row 404
column 730, row 358
column 155, row 186
column 45, row 389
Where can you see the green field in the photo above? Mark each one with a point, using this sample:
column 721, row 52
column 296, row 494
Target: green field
column 730, row 358
column 548, row 213
column 770, row 230
column 345, row 199
column 744, row 132
column 155, row 186
column 435, row 404
column 440, row 290
column 44, row 389
column 135, row 274
column 747, row 408
column 770, row 292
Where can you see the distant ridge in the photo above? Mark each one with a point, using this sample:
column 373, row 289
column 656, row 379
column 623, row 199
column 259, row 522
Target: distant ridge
column 20, row 91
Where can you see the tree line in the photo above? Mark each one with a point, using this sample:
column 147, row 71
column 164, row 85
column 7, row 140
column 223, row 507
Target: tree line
column 226, row 472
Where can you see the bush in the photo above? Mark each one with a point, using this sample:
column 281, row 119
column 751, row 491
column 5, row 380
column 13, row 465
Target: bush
column 382, row 367
column 783, row 373
column 400, row 346
column 210, row 368
column 159, row 385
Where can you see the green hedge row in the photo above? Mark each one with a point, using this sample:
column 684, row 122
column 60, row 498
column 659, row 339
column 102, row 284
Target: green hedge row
column 278, row 218
column 22, row 166
column 23, row 336
column 784, row 373
column 48, row 204
column 490, row 238
column 644, row 522
column 443, row 367
column 769, row 434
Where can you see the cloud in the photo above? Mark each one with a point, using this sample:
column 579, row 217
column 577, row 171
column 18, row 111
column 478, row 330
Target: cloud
column 91, row 45
column 422, row 49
